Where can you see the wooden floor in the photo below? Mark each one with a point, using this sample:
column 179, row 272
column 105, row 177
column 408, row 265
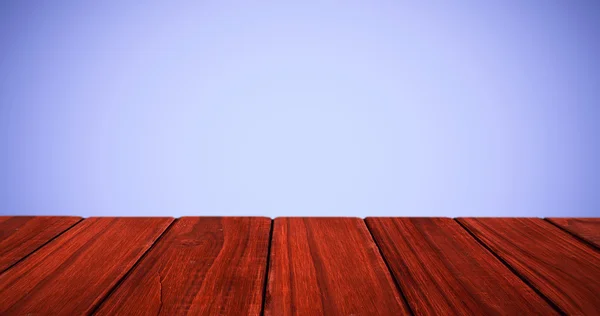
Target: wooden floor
column 299, row 266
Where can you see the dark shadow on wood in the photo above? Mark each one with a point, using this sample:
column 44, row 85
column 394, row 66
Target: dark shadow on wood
column 264, row 294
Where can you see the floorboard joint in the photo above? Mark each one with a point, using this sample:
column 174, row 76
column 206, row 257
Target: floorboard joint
column 572, row 234
column 112, row 290
column 266, row 282
column 41, row 246
column 511, row 268
column 387, row 265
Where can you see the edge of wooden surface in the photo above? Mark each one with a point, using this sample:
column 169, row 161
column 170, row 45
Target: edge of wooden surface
column 304, row 247
column 368, row 219
column 389, row 268
column 510, row 267
column 116, row 286
column 562, row 300
column 312, row 216
column 66, row 229
column 270, row 239
column 64, row 245
column 556, row 222
column 213, row 284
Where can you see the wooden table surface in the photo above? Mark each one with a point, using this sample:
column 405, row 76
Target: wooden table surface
column 299, row 266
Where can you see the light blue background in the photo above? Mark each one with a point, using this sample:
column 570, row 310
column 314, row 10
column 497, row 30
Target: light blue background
column 279, row 108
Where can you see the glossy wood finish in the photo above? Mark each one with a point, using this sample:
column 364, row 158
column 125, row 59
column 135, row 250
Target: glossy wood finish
column 328, row 266
column 444, row 271
column 298, row 266
column 22, row 235
column 587, row 229
column 202, row 266
column 74, row 272
column 561, row 267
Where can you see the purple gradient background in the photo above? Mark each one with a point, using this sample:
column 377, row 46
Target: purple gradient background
column 354, row 108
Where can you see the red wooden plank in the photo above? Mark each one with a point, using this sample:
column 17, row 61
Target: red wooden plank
column 72, row 273
column 328, row 266
column 561, row 267
column 587, row 229
column 442, row 270
column 22, row 235
column 201, row 266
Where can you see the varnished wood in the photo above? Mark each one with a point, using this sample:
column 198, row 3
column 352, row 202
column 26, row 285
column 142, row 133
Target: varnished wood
column 561, row 267
column 201, row 266
column 328, row 266
column 587, row 229
column 316, row 266
column 74, row 272
column 444, row 271
column 22, row 235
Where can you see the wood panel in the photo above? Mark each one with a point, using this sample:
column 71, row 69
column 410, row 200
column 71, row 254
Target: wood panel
column 561, row 267
column 202, row 266
column 442, row 270
column 72, row 273
column 328, row 266
column 587, row 229
column 22, row 235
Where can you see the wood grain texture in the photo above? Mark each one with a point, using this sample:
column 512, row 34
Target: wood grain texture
column 442, row 270
column 561, row 267
column 72, row 273
column 328, row 266
column 201, row 266
column 22, row 235
column 587, row 229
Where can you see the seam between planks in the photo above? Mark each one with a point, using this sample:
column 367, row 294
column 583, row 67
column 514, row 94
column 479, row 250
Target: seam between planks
column 267, row 268
column 116, row 286
column 580, row 239
column 514, row 271
column 389, row 269
column 42, row 245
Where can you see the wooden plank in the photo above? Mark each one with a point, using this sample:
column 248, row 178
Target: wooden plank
column 201, row 266
column 22, row 235
column 587, row 229
column 442, row 270
column 328, row 266
column 561, row 267
column 72, row 273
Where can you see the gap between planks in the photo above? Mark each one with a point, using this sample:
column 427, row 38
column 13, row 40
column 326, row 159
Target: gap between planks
column 389, row 269
column 579, row 238
column 268, row 265
column 112, row 290
column 268, row 261
column 535, row 289
column 42, row 245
